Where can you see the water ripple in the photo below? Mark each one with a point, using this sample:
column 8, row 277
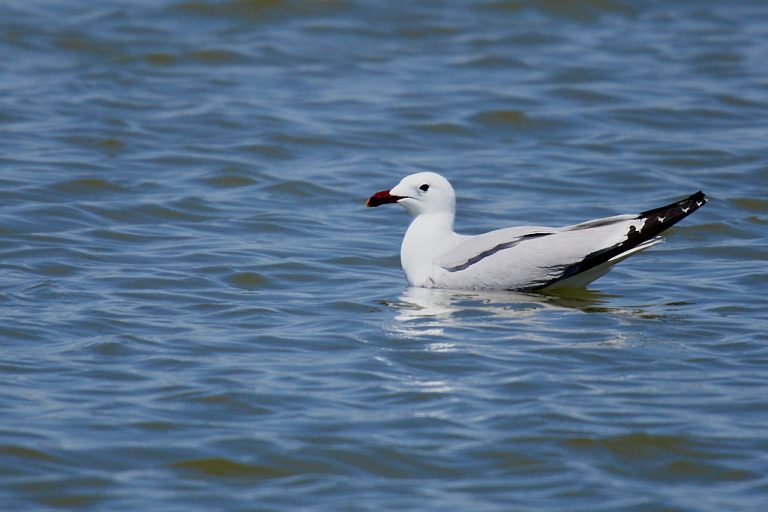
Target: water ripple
column 199, row 313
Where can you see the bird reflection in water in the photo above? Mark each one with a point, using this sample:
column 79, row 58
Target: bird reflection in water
column 427, row 312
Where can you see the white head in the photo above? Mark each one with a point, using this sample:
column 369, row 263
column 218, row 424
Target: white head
column 424, row 192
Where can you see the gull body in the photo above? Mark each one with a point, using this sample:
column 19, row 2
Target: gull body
column 522, row 258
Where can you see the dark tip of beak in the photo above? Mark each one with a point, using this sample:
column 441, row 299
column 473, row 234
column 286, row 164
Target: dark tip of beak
column 380, row 198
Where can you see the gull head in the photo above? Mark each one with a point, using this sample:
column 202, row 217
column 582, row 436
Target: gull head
column 420, row 193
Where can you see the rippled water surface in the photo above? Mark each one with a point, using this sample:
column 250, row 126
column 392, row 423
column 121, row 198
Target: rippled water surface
column 197, row 313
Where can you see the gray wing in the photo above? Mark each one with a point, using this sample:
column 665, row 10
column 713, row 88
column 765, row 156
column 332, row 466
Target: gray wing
column 532, row 257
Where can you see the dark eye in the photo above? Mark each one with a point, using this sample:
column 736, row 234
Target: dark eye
column 424, row 187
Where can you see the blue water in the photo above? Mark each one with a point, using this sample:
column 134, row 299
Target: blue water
column 197, row 312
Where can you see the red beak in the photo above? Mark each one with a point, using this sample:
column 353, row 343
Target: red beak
column 380, row 198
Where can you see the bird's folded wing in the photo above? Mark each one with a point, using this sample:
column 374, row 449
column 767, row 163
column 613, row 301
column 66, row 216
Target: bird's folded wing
column 532, row 257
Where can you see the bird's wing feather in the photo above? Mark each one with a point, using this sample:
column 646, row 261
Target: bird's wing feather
column 531, row 257
column 474, row 248
column 535, row 258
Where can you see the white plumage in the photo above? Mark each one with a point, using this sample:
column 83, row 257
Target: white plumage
column 518, row 258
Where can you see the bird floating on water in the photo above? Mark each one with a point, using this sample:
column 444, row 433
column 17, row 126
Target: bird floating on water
column 523, row 258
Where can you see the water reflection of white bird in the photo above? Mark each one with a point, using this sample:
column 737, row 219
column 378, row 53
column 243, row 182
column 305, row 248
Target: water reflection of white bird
column 428, row 311
column 427, row 314
column 439, row 303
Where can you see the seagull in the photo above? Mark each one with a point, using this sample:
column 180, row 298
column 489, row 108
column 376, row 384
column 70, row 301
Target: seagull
column 525, row 258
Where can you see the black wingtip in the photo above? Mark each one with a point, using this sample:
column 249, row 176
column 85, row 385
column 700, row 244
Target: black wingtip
column 656, row 221
column 659, row 219
column 700, row 197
